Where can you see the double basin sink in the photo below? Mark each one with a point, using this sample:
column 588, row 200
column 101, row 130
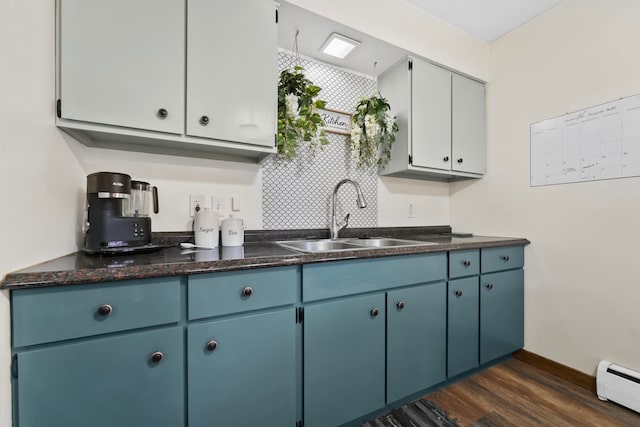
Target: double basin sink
column 349, row 244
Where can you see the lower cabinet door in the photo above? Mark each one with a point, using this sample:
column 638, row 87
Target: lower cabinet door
column 416, row 339
column 344, row 359
column 129, row 380
column 463, row 329
column 501, row 314
column 241, row 371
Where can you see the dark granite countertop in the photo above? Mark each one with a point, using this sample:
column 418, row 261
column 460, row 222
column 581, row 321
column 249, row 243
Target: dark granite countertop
column 260, row 250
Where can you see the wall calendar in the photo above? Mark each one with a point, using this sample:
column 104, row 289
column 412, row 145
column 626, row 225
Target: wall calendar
column 600, row 142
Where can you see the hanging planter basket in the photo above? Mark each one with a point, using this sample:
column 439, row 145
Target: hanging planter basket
column 298, row 118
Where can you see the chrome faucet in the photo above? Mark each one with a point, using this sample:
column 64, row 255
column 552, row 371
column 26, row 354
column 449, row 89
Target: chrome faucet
column 335, row 226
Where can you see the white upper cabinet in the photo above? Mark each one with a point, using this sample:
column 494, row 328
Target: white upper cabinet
column 441, row 116
column 430, row 116
column 122, row 63
column 232, row 70
column 468, row 125
column 188, row 77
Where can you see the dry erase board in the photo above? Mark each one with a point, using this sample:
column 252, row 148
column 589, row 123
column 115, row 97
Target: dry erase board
column 600, row 142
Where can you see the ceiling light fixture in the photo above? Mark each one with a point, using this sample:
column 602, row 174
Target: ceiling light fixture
column 338, row 45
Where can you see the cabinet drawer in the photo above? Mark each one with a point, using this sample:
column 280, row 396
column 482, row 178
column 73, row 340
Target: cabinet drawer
column 236, row 291
column 334, row 279
column 502, row 258
column 464, row 263
column 54, row 314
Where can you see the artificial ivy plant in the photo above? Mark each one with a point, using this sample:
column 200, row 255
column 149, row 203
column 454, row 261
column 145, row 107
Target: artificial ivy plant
column 373, row 131
column 298, row 119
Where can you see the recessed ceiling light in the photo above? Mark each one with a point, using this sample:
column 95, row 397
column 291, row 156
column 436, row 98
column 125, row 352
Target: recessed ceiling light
column 338, row 45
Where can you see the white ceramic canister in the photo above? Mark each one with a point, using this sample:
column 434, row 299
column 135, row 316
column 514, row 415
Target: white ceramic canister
column 232, row 231
column 206, row 228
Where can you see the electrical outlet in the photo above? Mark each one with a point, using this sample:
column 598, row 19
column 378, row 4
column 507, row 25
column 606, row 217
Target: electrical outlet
column 218, row 205
column 410, row 211
column 198, row 201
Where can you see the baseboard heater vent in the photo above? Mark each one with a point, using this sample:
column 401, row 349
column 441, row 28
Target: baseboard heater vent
column 618, row 384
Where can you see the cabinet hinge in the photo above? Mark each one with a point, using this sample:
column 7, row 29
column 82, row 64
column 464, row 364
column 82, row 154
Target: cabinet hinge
column 300, row 423
column 275, row 140
column 299, row 315
column 14, row 366
column 410, row 159
column 59, row 108
column 410, row 65
column 276, row 16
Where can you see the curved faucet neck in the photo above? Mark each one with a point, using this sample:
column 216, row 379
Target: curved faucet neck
column 335, row 226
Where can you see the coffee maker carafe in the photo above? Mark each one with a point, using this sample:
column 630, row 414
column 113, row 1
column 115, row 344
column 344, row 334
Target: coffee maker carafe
column 117, row 216
column 143, row 195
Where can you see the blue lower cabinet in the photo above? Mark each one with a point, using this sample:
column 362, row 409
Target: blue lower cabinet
column 501, row 314
column 129, row 380
column 344, row 359
column 463, row 329
column 416, row 339
column 241, row 371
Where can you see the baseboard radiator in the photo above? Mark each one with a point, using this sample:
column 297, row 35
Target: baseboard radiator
column 618, row 384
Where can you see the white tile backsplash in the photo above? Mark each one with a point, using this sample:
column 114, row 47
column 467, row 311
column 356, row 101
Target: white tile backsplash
column 297, row 194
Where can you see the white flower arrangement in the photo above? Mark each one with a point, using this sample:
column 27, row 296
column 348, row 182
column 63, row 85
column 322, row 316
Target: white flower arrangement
column 373, row 131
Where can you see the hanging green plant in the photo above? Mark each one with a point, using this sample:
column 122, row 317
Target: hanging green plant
column 373, row 132
column 298, row 119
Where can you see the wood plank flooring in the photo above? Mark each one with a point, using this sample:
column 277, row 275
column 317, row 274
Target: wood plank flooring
column 517, row 394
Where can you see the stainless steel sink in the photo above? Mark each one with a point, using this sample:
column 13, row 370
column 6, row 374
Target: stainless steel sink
column 320, row 245
column 328, row 245
column 386, row 242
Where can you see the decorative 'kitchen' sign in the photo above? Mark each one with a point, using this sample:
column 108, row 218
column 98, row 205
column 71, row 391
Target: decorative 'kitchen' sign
column 336, row 121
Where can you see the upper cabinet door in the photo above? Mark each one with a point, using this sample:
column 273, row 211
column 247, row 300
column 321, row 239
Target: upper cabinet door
column 232, row 70
column 468, row 125
column 122, row 63
column 431, row 116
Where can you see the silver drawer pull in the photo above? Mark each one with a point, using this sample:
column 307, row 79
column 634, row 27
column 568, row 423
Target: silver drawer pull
column 247, row 292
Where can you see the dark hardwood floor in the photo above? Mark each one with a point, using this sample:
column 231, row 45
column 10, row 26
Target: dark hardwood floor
column 517, row 394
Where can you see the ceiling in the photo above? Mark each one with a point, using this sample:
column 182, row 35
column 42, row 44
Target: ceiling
column 314, row 30
column 484, row 19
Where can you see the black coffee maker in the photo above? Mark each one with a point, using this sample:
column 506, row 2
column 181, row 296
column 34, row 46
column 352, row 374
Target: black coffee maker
column 118, row 221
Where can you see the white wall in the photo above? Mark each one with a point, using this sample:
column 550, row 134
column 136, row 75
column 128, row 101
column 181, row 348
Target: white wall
column 43, row 171
column 582, row 285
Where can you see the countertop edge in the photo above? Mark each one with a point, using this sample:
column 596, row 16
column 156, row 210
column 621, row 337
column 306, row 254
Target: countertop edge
column 29, row 280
